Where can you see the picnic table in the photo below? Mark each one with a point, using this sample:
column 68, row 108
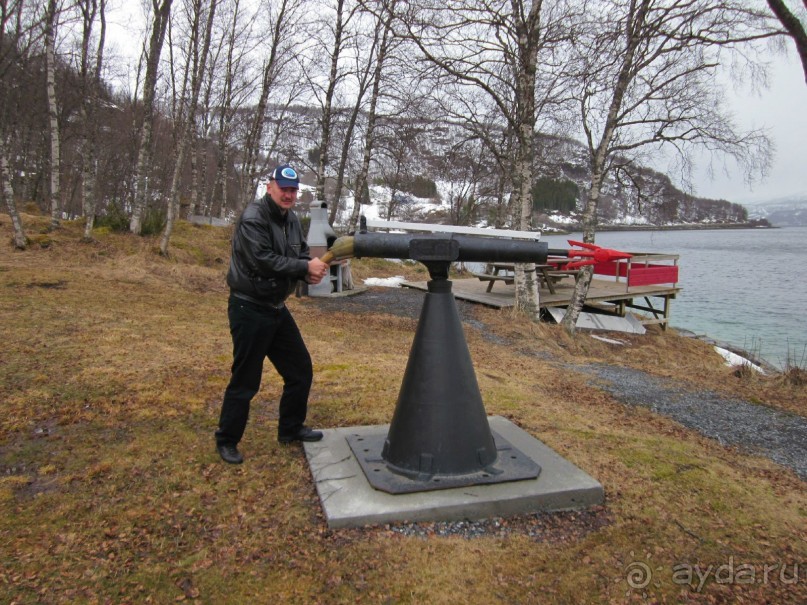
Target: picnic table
column 505, row 272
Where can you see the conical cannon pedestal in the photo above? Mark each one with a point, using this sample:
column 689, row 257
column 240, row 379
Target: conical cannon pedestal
column 439, row 437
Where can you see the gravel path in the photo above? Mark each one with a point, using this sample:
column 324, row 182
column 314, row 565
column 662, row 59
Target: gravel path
column 402, row 302
column 781, row 436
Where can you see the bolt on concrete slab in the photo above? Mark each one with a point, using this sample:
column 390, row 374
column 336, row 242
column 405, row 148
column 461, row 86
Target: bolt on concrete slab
column 348, row 499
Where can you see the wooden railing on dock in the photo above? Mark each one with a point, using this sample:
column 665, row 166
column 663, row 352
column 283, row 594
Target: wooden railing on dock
column 642, row 269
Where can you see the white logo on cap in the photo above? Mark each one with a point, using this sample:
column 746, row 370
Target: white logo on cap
column 288, row 173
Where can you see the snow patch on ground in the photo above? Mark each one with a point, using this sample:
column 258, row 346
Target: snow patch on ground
column 634, row 220
column 387, row 282
column 732, row 359
column 560, row 219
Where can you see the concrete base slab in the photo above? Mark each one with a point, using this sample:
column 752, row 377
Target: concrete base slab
column 348, row 500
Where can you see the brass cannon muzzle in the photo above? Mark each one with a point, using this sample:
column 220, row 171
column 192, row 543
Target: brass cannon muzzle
column 341, row 249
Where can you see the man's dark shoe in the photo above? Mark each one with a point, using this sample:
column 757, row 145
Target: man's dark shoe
column 304, row 434
column 229, row 453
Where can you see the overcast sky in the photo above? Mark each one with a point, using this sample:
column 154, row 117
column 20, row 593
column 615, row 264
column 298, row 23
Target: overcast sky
column 781, row 109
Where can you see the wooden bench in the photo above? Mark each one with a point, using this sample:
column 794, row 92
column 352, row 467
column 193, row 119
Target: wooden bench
column 545, row 273
column 507, row 279
column 558, row 274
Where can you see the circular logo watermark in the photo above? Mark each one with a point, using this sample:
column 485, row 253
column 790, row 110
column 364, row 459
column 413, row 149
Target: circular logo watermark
column 638, row 575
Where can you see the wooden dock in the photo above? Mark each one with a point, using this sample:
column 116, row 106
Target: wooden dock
column 604, row 295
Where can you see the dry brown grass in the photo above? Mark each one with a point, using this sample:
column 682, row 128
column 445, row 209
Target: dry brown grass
column 112, row 366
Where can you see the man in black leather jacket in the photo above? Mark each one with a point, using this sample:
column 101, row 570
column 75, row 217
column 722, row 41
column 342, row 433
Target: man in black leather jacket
column 269, row 256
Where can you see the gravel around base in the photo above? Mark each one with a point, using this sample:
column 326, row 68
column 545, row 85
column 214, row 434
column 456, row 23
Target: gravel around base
column 542, row 527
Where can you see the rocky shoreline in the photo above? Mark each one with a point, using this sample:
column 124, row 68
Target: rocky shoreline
column 767, row 366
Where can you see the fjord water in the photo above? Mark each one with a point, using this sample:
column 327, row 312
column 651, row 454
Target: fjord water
column 744, row 287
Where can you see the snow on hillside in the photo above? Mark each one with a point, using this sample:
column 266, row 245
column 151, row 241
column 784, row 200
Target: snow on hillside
column 418, row 209
column 781, row 212
column 380, row 198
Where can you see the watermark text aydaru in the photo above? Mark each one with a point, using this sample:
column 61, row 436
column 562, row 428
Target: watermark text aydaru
column 696, row 575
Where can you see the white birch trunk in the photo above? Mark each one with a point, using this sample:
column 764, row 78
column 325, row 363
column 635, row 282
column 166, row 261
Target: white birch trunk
column 527, row 297
column 90, row 127
column 53, row 113
column 340, row 174
column 220, row 181
column 194, row 178
column 88, row 161
column 369, row 141
column 20, row 240
column 225, row 115
column 204, row 205
column 225, row 159
column 599, row 159
column 249, row 176
column 325, row 140
column 158, row 28
column 200, row 62
column 369, row 138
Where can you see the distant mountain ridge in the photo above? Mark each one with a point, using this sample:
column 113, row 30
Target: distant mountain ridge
column 645, row 197
column 788, row 211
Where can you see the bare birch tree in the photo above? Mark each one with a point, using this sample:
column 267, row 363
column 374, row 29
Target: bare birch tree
column 199, row 153
column 50, row 21
column 224, row 108
column 20, row 240
column 282, row 40
column 233, row 93
column 494, row 47
column 180, row 63
column 370, row 40
column 160, row 15
column 363, row 79
column 467, row 166
column 339, row 34
column 646, row 79
column 478, row 117
column 384, row 22
column 91, row 86
column 10, row 14
column 197, row 59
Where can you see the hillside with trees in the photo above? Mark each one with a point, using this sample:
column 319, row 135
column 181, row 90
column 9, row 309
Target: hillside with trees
column 500, row 113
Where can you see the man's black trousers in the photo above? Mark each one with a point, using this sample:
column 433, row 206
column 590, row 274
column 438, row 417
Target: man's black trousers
column 261, row 331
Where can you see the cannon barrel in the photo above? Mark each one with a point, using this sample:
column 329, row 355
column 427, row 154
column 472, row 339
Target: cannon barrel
column 440, row 247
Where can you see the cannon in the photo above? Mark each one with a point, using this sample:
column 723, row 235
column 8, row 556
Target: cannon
column 441, row 249
column 439, row 436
